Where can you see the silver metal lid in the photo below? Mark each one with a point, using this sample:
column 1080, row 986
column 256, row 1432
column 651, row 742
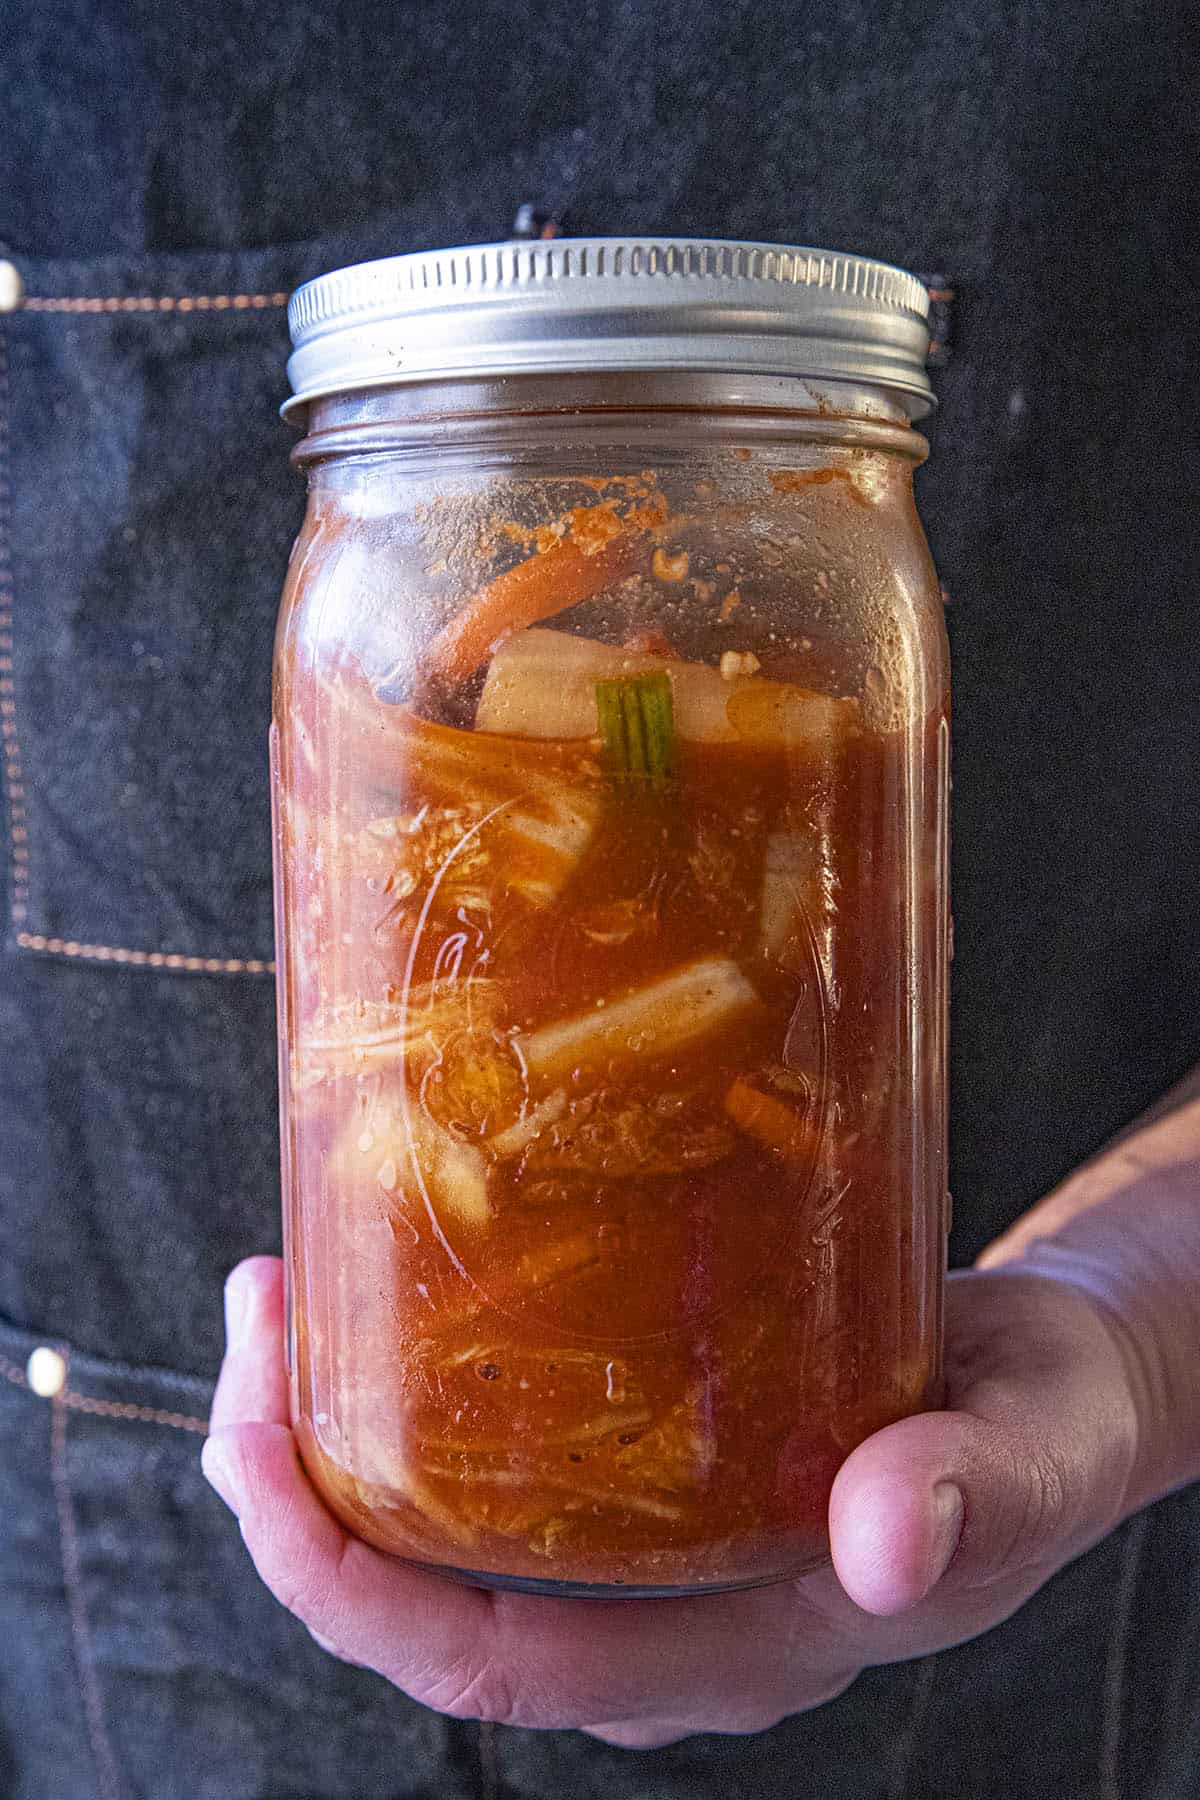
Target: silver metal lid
column 575, row 304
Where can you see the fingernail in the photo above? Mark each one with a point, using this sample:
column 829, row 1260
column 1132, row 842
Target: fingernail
column 237, row 1308
column 948, row 1513
column 218, row 1472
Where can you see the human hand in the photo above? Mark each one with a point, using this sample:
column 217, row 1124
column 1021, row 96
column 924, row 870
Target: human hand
column 1068, row 1406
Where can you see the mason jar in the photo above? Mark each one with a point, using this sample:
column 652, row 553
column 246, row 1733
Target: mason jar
column 610, row 760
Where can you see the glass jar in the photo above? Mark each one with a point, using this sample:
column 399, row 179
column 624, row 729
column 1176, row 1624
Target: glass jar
column 610, row 768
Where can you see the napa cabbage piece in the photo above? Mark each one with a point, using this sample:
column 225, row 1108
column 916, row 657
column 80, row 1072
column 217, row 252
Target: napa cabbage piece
column 394, row 1145
column 679, row 1452
column 701, row 998
column 380, row 1464
column 363, row 1037
column 543, row 684
column 502, row 1387
column 401, row 856
column 484, row 815
column 544, row 1509
column 518, row 1136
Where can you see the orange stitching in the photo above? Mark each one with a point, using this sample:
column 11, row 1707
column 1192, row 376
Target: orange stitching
column 14, row 781
column 171, row 961
column 144, row 1415
column 108, row 1778
column 110, row 1409
column 150, row 303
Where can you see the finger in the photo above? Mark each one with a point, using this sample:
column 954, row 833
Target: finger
column 333, row 1650
column 503, row 1657
column 253, row 1385
column 366, row 1607
column 512, row 1658
column 1029, row 1465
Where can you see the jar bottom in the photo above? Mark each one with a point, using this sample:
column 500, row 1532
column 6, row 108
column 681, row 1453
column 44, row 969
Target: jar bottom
column 720, row 1568
column 603, row 1590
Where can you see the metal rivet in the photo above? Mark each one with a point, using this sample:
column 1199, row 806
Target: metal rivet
column 46, row 1372
column 12, row 288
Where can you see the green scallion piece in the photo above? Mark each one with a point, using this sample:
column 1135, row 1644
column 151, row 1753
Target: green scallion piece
column 637, row 727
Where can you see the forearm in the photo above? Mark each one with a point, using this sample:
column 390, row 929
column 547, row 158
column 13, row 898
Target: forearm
column 1126, row 1229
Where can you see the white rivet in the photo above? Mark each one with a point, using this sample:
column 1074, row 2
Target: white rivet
column 46, row 1372
column 12, row 288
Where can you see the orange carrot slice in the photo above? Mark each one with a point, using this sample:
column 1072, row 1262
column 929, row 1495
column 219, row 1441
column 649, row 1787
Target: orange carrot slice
column 535, row 589
column 773, row 1122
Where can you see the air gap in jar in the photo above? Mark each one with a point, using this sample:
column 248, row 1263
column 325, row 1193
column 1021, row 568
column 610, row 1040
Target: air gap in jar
column 610, row 758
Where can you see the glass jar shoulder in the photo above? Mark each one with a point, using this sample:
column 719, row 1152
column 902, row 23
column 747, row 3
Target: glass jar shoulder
column 800, row 562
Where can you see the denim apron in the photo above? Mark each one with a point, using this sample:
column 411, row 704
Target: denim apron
column 171, row 178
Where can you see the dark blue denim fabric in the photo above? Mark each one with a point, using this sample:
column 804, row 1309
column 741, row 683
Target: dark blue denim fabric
column 139, row 1659
column 210, row 159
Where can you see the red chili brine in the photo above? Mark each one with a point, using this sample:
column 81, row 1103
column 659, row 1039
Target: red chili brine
column 610, row 767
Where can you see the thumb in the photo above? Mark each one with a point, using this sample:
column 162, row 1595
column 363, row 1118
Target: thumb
column 1030, row 1463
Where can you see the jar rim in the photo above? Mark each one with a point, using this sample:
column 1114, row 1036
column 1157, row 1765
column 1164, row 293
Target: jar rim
column 576, row 305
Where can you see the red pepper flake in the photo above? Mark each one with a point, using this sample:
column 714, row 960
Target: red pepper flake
column 670, row 565
column 794, row 481
column 651, row 643
column 592, row 527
